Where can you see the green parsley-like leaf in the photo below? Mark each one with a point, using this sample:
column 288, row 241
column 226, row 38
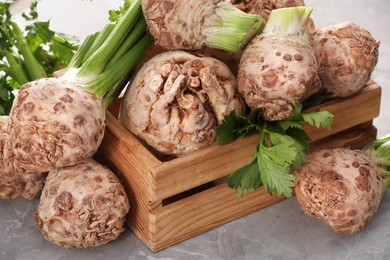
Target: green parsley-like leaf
column 296, row 114
column 274, row 164
column 115, row 15
column 231, row 128
column 300, row 136
column 319, row 118
column 247, row 177
column 287, row 124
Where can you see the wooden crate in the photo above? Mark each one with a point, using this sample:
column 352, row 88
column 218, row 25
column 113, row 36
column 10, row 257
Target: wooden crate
column 177, row 199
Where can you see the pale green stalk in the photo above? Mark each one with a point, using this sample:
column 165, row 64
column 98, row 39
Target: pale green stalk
column 289, row 21
column 233, row 28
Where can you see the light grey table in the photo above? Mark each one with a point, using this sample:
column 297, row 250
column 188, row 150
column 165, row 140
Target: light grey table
column 280, row 231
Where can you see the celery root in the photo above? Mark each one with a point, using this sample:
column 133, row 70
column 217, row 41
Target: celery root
column 56, row 122
column 194, row 24
column 177, row 99
column 82, row 206
column 278, row 68
column 342, row 187
column 13, row 182
column 347, row 54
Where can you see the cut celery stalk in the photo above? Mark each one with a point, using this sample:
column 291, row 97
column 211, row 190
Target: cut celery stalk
column 234, row 28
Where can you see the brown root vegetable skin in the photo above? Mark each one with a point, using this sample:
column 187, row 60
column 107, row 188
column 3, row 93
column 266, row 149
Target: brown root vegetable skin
column 276, row 72
column 177, row 99
column 264, row 7
column 82, row 206
column 229, row 58
column 347, row 54
column 3, row 137
column 13, row 182
column 340, row 186
column 174, row 28
column 54, row 123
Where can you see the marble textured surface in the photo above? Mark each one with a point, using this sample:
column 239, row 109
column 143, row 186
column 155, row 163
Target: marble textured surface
column 280, row 231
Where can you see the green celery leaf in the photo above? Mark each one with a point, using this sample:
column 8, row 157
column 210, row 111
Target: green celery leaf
column 62, row 50
column 247, row 177
column 300, row 136
column 254, row 117
column 274, row 163
column 42, row 29
column 115, row 15
column 33, row 14
column 301, row 149
column 287, row 124
column 276, row 177
column 296, row 114
column 6, row 96
column 241, row 132
column 319, row 118
column 232, row 127
column 283, row 148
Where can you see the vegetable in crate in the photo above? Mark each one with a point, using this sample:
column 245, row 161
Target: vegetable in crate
column 340, row 186
column 57, row 122
column 16, row 183
column 347, row 54
column 259, row 7
column 176, row 101
column 278, row 68
column 194, row 24
column 29, row 55
column 82, row 206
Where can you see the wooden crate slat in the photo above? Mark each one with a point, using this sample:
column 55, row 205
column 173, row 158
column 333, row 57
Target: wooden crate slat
column 350, row 111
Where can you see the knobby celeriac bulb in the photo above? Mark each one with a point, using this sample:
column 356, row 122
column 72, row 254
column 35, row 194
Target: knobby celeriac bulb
column 177, row 99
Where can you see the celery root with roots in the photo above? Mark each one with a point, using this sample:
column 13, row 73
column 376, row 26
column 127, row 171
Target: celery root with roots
column 82, row 206
column 194, row 24
column 177, row 99
column 342, row 187
column 16, row 183
column 56, row 122
column 278, row 68
column 347, row 54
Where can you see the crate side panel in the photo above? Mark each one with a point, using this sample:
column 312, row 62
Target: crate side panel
column 213, row 207
column 116, row 155
column 203, row 212
column 211, row 163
